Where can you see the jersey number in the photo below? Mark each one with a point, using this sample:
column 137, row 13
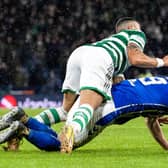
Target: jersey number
column 149, row 81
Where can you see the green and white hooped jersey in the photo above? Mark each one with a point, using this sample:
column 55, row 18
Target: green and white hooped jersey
column 116, row 46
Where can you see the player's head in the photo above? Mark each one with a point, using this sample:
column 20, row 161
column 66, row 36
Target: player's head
column 127, row 23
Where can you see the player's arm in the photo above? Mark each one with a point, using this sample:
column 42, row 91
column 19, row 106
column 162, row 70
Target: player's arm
column 139, row 59
column 156, row 131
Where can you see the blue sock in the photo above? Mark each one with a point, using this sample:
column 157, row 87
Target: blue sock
column 36, row 125
column 43, row 140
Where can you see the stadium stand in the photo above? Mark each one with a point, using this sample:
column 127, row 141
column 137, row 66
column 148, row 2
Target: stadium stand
column 37, row 36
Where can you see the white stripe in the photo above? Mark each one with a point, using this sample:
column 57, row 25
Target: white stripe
column 81, row 119
column 118, row 50
column 119, row 41
column 139, row 39
column 85, row 112
column 107, row 46
column 50, row 116
column 38, row 118
column 87, row 106
column 114, row 46
column 121, row 55
column 111, row 49
column 124, row 34
column 140, row 47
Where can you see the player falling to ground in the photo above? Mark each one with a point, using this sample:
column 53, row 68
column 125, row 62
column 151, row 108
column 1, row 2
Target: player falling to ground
column 90, row 69
column 145, row 97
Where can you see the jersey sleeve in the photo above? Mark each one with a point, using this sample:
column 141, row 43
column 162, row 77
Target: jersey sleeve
column 138, row 38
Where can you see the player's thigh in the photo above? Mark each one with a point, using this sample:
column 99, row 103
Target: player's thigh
column 97, row 71
column 68, row 100
column 73, row 72
column 91, row 97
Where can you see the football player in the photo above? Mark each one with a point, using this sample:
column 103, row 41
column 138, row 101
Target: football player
column 131, row 98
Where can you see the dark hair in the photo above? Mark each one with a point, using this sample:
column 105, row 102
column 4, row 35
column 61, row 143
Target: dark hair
column 124, row 19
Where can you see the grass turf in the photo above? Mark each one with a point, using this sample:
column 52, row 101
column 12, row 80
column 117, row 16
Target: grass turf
column 125, row 146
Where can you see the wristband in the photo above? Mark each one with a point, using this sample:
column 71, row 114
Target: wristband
column 160, row 62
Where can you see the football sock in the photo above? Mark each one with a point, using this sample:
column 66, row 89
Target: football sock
column 43, row 140
column 36, row 125
column 52, row 116
column 81, row 117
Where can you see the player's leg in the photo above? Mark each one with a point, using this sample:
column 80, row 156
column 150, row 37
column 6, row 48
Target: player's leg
column 55, row 115
column 70, row 89
column 92, row 129
column 38, row 126
column 31, row 123
column 44, row 140
column 95, row 86
column 89, row 101
column 6, row 134
column 19, row 114
column 51, row 116
column 14, row 114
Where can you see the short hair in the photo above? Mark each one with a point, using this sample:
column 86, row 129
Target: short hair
column 124, row 20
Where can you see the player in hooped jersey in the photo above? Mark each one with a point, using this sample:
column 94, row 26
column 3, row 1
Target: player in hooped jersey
column 89, row 73
column 145, row 97
column 90, row 70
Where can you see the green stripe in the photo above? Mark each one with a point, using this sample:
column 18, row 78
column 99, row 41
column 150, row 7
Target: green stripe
column 137, row 42
column 119, row 56
column 106, row 97
column 124, row 61
column 117, row 59
column 122, row 38
column 85, row 118
column 135, row 32
column 79, row 122
column 87, row 109
column 45, row 118
column 123, row 65
column 55, row 115
column 83, row 115
column 123, row 68
column 111, row 45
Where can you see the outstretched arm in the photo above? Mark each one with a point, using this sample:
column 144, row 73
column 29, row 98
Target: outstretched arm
column 139, row 59
column 156, row 131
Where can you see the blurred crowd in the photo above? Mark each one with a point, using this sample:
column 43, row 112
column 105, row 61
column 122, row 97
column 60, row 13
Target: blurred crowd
column 37, row 36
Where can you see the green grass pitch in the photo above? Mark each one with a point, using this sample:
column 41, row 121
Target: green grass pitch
column 125, row 146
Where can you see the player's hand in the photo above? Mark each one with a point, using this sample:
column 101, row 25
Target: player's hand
column 165, row 59
column 118, row 78
column 163, row 120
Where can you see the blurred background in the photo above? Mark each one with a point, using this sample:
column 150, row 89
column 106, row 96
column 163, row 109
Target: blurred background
column 37, row 37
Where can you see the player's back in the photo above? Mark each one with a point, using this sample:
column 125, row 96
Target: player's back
column 142, row 90
column 116, row 46
column 138, row 97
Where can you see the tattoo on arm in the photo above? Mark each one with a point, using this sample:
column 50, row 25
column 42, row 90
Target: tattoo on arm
column 132, row 46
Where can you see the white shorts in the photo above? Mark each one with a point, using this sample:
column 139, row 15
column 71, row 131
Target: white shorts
column 89, row 67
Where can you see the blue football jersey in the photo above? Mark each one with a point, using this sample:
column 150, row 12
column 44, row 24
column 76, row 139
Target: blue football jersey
column 142, row 90
column 138, row 97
